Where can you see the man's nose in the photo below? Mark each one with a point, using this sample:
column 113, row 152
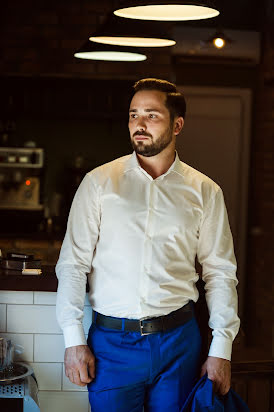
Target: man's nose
column 141, row 124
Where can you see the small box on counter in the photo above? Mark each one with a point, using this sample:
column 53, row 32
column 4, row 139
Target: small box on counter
column 21, row 262
column 31, row 272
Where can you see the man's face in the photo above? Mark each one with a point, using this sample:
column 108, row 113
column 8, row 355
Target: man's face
column 150, row 128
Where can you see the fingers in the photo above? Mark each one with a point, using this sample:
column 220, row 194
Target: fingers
column 79, row 376
column 79, row 365
column 220, row 387
column 219, row 372
column 220, row 390
column 91, row 369
column 74, row 377
column 84, row 377
column 224, row 389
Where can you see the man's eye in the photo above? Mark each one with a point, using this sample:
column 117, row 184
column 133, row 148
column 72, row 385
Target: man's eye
column 133, row 116
column 152, row 116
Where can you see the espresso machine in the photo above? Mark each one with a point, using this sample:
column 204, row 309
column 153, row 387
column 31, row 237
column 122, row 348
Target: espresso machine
column 21, row 205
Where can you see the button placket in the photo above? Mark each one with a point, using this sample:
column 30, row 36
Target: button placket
column 149, row 233
column 150, row 224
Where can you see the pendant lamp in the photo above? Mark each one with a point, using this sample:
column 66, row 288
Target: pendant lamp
column 96, row 51
column 124, row 32
column 165, row 10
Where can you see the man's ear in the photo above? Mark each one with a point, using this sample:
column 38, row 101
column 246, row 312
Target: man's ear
column 179, row 124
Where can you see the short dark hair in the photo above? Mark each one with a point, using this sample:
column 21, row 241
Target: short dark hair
column 175, row 102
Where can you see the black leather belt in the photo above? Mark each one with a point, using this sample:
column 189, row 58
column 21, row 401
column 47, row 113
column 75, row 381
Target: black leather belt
column 146, row 326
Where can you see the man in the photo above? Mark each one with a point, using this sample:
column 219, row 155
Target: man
column 135, row 227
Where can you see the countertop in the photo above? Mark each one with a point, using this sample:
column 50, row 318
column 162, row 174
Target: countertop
column 14, row 280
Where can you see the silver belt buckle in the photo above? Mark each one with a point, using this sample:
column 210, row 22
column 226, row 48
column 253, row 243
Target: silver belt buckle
column 142, row 328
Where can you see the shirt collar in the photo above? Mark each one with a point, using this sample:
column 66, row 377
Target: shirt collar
column 133, row 163
column 177, row 165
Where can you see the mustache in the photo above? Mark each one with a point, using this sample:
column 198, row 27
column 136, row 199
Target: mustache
column 139, row 133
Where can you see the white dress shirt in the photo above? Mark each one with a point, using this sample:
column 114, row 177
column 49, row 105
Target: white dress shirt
column 136, row 239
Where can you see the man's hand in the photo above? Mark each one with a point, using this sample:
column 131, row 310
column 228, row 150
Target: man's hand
column 79, row 365
column 219, row 372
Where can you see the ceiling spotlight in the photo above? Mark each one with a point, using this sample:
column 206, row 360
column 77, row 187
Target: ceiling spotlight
column 164, row 10
column 96, row 51
column 219, row 40
column 124, row 32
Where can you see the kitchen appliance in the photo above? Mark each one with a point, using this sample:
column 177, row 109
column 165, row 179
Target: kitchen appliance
column 19, row 391
column 21, row 200
column 18, row 386
column 20, row 172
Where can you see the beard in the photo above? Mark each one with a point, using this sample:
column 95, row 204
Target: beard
column 153, row 148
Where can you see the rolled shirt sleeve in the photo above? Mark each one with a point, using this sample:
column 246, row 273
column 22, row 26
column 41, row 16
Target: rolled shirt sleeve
column 216, row 255
column 75, row 260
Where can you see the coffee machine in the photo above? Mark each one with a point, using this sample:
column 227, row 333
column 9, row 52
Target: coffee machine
column 21, row 204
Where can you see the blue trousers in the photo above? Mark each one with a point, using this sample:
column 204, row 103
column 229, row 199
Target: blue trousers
column 154, row 373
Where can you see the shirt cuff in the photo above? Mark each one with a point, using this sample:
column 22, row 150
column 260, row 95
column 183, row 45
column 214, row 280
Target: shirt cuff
column 220, row 348
column 74, row 336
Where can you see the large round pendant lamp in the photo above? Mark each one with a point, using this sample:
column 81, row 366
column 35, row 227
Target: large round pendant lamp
column 95, row 51
column 164, row 10
column 124, row 32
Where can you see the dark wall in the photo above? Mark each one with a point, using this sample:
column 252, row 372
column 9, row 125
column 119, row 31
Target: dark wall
column 68, row 118
column 259, row 293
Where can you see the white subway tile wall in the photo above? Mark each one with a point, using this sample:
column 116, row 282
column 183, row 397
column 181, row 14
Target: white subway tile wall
column 32, row 318
column 18, row 298
column 29, row 320
column 48, row 375
column 48, row 348
column 45, row 298
column 63, row 401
